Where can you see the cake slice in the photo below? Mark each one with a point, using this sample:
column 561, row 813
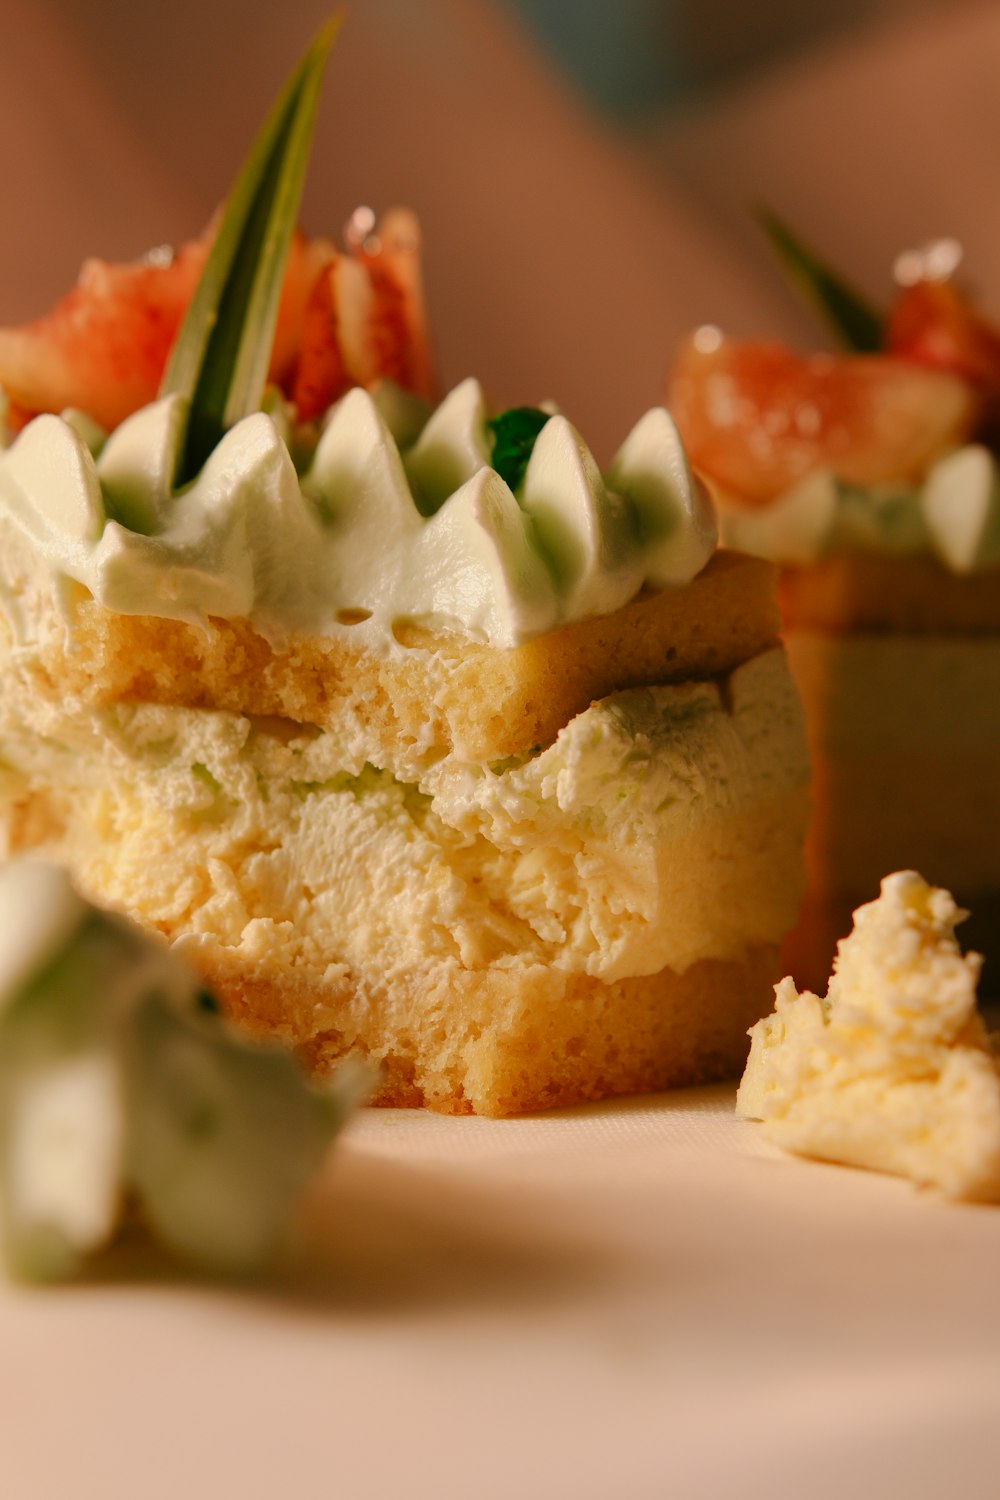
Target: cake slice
column 418, row 735
column 871, row 478
column 507, row 797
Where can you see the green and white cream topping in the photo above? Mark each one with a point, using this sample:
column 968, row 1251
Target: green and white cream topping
column 119, row 1082
column 953, row 515
column 377, row 525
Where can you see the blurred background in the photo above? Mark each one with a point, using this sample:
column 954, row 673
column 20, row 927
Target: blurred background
column 584, row 170
column 635, row 57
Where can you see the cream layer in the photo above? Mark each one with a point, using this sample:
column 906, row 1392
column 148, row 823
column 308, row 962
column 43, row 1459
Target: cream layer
column 663, row 826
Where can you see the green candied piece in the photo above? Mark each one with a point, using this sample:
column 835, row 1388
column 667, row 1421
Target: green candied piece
column 220, row 359
column 853, row 321
column 514, row 435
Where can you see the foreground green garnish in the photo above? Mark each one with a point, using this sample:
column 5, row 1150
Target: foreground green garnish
column 515, row 433
column 853, row 321
column 120, row 1082
column 220, row 359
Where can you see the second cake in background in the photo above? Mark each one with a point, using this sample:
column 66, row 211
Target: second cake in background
column 870, row 477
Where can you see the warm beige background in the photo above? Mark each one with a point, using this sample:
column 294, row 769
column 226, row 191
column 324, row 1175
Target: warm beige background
column 563, row 257
column 880, row 140
column 556, row 265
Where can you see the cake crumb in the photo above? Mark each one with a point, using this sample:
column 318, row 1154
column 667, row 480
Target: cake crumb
column 893, row 1070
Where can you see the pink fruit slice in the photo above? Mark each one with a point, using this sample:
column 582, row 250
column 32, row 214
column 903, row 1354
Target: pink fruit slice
column 344, row 320
column 756, row 417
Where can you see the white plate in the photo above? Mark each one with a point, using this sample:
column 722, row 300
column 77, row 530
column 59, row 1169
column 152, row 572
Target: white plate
column 637, row 1299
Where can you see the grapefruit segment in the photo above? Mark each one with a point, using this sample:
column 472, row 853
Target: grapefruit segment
column 104, row 345
column 343, row 320
column 398, row 326
column 756, row 417
column 933, row 324
column 320, row 373
column 365, row 319
column 306, row 260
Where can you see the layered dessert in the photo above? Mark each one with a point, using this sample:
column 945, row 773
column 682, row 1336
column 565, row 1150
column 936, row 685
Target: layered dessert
column 504, row 792
column 871, row 478
column 893, row 1069
column 419, row 736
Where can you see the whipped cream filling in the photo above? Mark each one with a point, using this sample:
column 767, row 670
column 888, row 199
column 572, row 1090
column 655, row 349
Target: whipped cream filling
column 663, row 826
column 379, row 528
column 954, row 515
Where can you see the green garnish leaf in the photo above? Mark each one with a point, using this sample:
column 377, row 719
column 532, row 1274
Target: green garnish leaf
column 220, row 359
column 514, row 435
column 854, row 322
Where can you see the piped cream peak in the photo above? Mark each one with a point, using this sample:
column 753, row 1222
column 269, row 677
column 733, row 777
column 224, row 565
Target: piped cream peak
column 375, row 529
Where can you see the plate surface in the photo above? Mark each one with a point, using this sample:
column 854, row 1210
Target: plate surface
column 636, row 1299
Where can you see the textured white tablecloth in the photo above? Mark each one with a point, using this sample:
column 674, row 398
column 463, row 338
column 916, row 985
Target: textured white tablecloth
column 637, row 1300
